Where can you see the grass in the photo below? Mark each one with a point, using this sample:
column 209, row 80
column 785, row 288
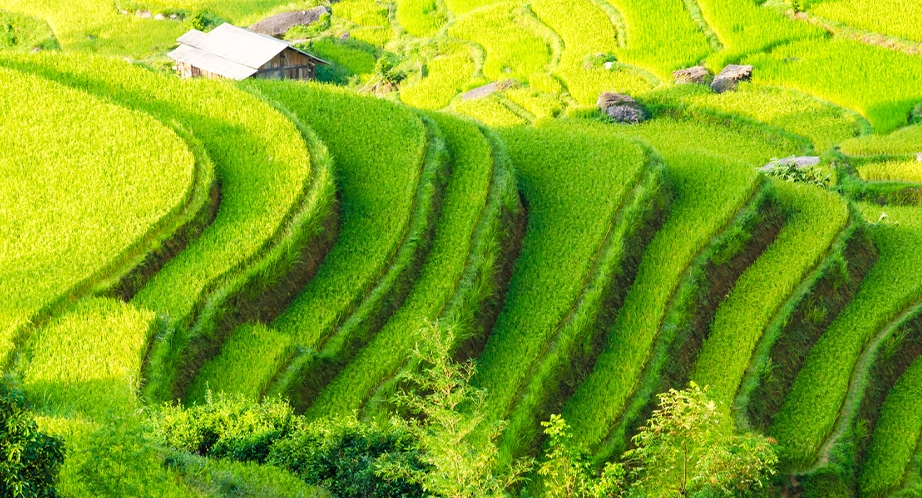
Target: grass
column 96, row 26
column 446, row 77
column 895, row 435
column 98, row 212
column 816, row 218
column 573, row 183
column 513, row 49
column 697, row 155
column 489, row 110
column 825, row 125
column 272, row 200
column 888, row 17
column 83, row 375
column 540, row 104
column 467, row 240
column 23, row 33
column 420, row 18
column 893, row 171
column 572, row 349
column 745, row 27
column 660, row 36
column 87, row 362
column 369, row 13
column 379, row 149
column 876, row 82
column 588, row 36
column 812, row 407
column 906, row 141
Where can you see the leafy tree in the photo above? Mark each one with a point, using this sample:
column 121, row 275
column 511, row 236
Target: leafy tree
column 444, row 412
column 567, row 471
column 688, row 448
column 29, row 459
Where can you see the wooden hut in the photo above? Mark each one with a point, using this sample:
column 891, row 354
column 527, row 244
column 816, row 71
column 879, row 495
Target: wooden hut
column 235, row 53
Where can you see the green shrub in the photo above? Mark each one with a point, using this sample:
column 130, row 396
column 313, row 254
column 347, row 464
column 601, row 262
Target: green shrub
column 29, row 459
column 225, row 426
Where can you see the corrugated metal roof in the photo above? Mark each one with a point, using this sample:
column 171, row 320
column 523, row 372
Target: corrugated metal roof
column 228, row 49
column 212, row 63
column 239, row 45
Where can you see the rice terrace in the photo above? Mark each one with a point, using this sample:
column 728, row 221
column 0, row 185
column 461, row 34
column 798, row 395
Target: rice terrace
column 461, row 248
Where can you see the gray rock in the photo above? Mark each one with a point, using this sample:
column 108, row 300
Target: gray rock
column 491, row 88
column 159, row 17
column 144, row 14
column 609, row 65
column 919, row 157
column 799, row 162
column 696, row 74
column 279, row 24
column 730, row 76
column 621, row 108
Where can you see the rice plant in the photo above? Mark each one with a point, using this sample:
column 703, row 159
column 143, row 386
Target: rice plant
column 813, row 405
column 77, row 210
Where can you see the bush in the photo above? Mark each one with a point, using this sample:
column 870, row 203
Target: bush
column 347, row 458
column 226, row 426
column 29, row 459
column 350, row 459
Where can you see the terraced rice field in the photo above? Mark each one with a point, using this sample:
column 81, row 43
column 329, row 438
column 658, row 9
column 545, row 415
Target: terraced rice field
column 173, row 241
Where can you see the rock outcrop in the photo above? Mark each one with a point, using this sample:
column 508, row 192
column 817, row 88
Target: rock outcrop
column 621, row 108
column 696, row 74
column 730, row 76
column 279, row 24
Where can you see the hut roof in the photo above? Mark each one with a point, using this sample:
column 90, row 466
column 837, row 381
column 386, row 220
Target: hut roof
column 230, row 51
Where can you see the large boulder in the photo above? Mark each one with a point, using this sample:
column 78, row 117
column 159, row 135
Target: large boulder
column 730, row 76
column 696, row 74
column 621, row 108
column 279, row 24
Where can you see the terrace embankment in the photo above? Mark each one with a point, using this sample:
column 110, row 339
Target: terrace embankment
column 839, row 279
column 316, row 369
column 570, row 354
column 693, row 306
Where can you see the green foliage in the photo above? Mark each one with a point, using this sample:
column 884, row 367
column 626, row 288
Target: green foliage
column 348, row 58
column 421, row 18
column 685, row 449
column 790, row 172
column 119, row 459
column 30, row 459
column 387, row 69
column 892, row 171
column 698, row 155
column 204, row 20
column 824, row 124
column 347, row 458
column 569, row 217
column 660, row 36
column 904, row 141
column 23, row 34
column 745, row 27
column 225, row 426
column 489, row 110
column 443, row 412
column 567, row 472
column 211, row 477
column 90, row 189
column 444, row 78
